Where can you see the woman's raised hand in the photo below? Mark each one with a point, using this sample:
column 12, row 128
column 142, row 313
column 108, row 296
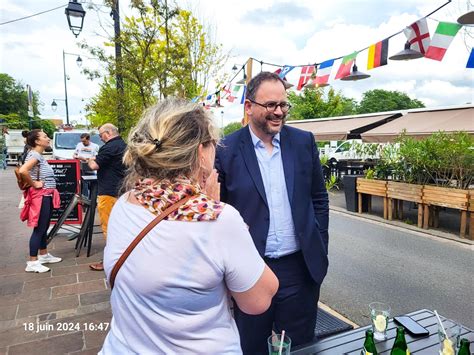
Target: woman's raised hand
column 212, row 187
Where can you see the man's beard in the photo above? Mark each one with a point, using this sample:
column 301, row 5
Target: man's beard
column 265, row 127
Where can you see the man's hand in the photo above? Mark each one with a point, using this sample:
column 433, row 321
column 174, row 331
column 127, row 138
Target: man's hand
column 92, row 164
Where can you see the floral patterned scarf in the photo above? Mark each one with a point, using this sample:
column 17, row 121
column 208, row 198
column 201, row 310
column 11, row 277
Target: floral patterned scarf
column 158, row 196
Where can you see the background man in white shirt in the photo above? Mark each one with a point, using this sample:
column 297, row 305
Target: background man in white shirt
column 85, row 150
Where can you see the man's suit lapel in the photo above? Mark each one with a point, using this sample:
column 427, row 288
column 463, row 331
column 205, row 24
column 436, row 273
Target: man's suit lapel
column 250, row 159
column 288, row 159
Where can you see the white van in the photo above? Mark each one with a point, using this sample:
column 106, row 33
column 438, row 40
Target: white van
column 64, row 143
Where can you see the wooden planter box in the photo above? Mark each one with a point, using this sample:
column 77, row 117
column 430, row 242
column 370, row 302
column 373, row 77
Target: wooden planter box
column 446, row 197
column 372, row 188
column 397, row 192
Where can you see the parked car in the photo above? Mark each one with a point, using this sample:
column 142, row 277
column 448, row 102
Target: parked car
column 64, row 143
column 352, row 149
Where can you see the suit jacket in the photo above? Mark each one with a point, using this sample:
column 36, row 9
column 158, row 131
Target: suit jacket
column 242, row 187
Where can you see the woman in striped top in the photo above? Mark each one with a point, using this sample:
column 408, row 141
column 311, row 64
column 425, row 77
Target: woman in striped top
column 40, row 199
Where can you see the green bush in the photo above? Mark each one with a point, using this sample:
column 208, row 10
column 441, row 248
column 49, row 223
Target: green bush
column 443, row 159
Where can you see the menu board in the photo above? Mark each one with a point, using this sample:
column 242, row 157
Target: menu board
column 67, row 175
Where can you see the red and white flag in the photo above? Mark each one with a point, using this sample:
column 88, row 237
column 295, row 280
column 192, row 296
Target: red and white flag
column 418, row 35
column 306, row 73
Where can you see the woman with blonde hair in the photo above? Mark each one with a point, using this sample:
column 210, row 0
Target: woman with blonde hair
column 172, row 292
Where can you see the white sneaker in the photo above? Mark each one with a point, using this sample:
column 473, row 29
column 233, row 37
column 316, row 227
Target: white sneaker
column 48, row 259
column 35, row 266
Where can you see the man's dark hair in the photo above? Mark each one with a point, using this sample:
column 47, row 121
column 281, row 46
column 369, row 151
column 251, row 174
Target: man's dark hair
column 24, row 134
column 257, row 80
column 86, row 136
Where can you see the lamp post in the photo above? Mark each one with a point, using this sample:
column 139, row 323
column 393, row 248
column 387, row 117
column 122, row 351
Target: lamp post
column 54, row 105
column 75, row 9
column 222, row 119
column 75, row 17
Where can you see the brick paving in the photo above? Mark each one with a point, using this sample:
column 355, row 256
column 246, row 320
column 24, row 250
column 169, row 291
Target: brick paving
column 58, row 312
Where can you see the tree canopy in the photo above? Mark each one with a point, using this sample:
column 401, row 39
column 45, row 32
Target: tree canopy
column 316, row 103
column 14, row 106
column 379, row 100
column 165, row 51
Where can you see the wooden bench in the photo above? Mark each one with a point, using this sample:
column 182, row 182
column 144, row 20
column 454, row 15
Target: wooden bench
column 372, row 187
column 445, row 197
column 397, row 192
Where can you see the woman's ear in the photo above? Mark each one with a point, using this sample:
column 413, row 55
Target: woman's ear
column 200, row 153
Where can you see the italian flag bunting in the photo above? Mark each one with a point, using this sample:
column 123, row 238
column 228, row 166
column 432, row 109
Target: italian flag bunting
column 346, row 65
column 442, row 38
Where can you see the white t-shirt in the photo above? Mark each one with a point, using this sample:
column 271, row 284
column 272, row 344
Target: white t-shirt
column 170, row 295
column 89, row 151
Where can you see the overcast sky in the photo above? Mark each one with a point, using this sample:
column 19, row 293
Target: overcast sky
column 282, row 32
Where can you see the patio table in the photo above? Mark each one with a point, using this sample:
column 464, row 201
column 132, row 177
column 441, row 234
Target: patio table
column 351, row 342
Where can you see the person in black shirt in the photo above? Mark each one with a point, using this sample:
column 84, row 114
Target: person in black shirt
column 110, row 173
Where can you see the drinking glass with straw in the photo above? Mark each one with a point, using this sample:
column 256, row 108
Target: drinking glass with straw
column 279, row 344
column 447, row 342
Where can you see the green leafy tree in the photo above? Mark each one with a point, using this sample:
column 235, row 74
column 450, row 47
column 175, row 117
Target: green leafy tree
column 14, row 104
column 316, row 103
column 232, row 127
column 165, row 52
column 379, row 100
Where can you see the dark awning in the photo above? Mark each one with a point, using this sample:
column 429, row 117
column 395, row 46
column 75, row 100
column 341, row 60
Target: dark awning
column 342, row 128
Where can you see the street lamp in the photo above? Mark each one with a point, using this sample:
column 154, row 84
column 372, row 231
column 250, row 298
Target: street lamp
column 54, row 105
column 75, row 10
column 222, row 119
column 75, row 17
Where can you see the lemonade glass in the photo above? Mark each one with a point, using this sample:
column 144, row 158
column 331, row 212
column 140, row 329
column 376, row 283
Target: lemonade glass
column 379, row 314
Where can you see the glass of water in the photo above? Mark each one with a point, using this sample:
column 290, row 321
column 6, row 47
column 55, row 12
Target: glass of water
column 379, row 314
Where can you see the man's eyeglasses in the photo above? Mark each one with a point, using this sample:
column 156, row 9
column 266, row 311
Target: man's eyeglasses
column 100, row 134
column 272, row 106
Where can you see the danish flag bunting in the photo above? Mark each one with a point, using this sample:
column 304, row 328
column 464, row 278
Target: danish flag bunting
column 306, row 73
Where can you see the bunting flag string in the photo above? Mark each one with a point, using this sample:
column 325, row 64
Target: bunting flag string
column 317, row 74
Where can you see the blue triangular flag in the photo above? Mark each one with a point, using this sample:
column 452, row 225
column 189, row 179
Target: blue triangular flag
column 470, row 61
column 285, row 70
column 242, row 100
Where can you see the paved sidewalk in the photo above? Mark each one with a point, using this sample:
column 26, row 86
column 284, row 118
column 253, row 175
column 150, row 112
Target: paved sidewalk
column 58, row 312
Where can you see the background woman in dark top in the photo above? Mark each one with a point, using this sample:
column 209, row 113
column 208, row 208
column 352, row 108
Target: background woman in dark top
column 40, row 199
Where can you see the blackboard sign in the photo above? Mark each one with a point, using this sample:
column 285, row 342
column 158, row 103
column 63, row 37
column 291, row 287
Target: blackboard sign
column 67, row 175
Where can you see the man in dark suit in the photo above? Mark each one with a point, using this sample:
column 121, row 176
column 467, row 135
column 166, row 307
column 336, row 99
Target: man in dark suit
column 272, row 174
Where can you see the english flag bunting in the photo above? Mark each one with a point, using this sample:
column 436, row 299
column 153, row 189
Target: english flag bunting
column 306, row 73
column 324, row 70
column 346, row 65
column 442, row 38
column 418, row 36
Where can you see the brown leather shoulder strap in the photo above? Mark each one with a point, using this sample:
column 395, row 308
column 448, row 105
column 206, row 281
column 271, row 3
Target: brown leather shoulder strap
column 142, row 234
